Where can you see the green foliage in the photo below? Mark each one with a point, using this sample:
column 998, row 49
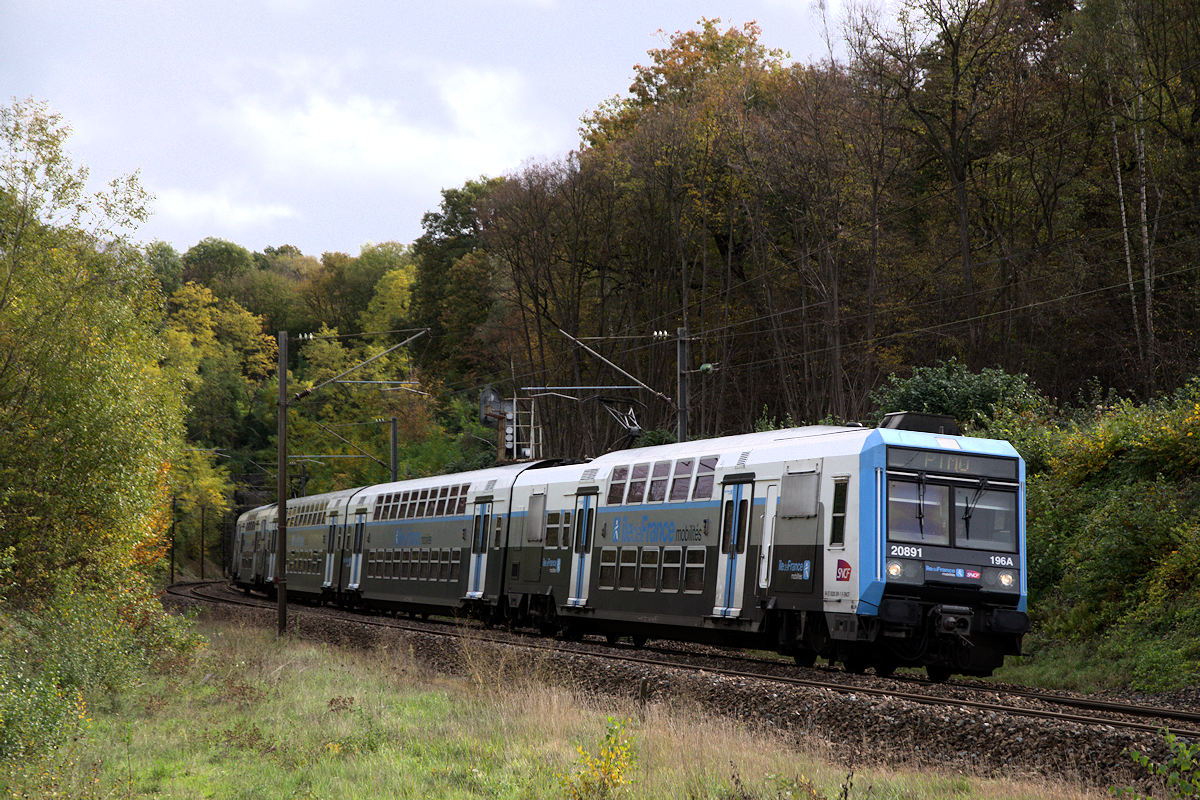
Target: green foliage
column 71, row 648
column 1178, row 776
column 652, row 438
column 606, row 773
column 951, row 388
column 766, row 422
column 216, row 262
column 89, row 421
column 220, row 354
column 1114, row 539
column 166, row 265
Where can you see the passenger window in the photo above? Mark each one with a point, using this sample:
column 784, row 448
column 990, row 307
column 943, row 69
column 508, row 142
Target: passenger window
column 682, row 480
column 693, row 572
column 616, row 485
column 705, row 476
column 608, row 569
column 837, row 521
column 637, row 484
column 628, row 571
column 552, row 529
column 455, row 563
column 648, row 570
column 672, row 563
column 658, row 482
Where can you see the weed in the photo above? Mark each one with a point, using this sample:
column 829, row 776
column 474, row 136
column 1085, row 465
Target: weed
column 605, row 774
column 1178, row 776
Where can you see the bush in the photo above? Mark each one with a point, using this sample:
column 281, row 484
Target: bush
column 950, row 388
column 70, row 649
column 605, row 774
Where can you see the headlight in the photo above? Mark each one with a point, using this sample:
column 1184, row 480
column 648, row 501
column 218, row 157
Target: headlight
column 1002, row 580
column 902, row 570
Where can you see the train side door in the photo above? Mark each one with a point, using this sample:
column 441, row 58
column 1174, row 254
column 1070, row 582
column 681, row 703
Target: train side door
column 581, row 546
column 479, row 549
column 736, row 506
column 272, row 549
column 341, row 554
column 356, row 548
column 767, row 549
column 256, row 555
column 330, row 541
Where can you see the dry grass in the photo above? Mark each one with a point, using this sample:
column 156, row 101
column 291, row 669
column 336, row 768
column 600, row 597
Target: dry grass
column 257, row 718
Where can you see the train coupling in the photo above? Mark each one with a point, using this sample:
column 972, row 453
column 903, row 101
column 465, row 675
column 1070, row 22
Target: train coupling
column 954, row 620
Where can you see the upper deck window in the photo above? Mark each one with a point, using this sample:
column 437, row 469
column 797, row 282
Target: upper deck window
column 616, row 486
column 637, row 484
column 658, row 482
column 682, row 480
column 705, row 478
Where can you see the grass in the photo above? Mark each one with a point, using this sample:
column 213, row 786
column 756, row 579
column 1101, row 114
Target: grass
column 254, row 717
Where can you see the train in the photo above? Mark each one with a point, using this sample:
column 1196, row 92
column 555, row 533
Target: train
column 876, row 548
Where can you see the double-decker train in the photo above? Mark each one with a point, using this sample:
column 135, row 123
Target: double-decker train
column 876, row 548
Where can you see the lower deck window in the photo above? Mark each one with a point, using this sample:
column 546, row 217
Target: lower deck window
column 672, row 564
column 693, row 572
column 627, row 574
column 648, row 570
column 608, row 569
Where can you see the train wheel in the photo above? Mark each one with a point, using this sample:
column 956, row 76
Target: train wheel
column 612, row 638
column 884, row 669
column 938, row 673
column 805, row 658
column 639, row 641
column 855, row 665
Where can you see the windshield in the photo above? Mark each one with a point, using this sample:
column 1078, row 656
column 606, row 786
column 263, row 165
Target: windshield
column 918, row 512
column 986, row 520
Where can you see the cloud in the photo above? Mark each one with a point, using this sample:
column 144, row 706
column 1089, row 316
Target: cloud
column 220, row 209
column 458, row 122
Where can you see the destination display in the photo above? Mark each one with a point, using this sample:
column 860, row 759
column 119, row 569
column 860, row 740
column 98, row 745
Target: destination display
column 951, row 463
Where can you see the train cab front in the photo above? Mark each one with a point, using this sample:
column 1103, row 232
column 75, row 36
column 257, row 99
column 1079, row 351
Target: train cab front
column 953, row 596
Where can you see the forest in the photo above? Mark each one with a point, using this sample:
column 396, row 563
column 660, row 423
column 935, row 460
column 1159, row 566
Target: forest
column 984, row 207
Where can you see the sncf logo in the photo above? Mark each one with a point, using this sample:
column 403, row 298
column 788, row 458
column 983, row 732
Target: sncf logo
column 843, row 570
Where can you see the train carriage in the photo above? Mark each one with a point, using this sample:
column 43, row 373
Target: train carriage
column 872, row 547
column 250, row 568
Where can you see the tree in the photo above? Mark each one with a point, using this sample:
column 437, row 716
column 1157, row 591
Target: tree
column 450, row 233
column 221, row 355
column 216, row 263
column 166, row 264
column 88, row 422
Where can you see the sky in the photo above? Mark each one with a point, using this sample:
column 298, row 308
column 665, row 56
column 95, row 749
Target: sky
column 330, row 125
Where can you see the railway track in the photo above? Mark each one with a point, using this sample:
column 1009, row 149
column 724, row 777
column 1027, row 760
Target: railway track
column 999, row 700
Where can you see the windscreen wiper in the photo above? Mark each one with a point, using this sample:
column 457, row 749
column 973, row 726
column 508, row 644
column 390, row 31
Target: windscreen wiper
column 969, row 506
column 921, row 503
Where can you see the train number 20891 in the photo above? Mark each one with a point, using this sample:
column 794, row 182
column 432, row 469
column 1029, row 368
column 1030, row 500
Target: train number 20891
column 905, row 551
